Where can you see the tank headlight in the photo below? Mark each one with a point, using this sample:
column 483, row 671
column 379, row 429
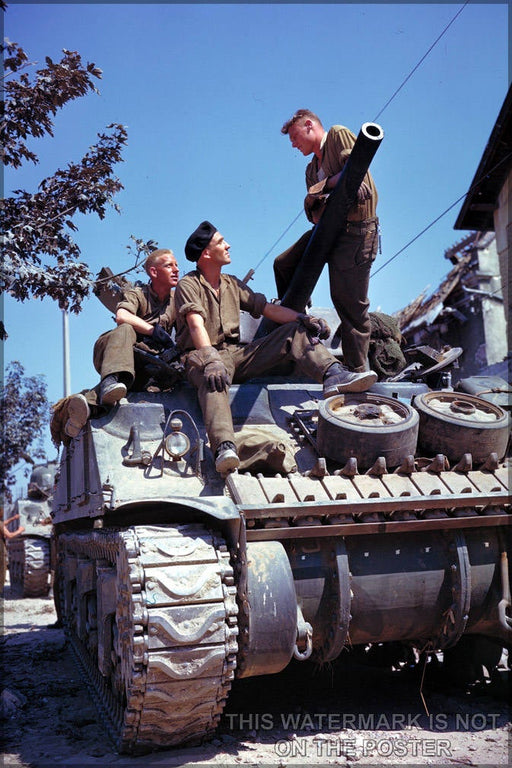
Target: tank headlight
column 177, row 443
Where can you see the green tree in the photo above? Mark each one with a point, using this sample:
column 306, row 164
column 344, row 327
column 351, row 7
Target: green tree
column 40, row 257
column 24, row 414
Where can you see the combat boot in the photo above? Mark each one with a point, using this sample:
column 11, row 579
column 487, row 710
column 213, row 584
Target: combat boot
column 112, row 390
column 339, row 379
column 78, row 413
column 226, row 458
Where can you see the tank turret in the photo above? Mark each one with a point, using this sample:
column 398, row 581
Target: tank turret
column 41, row 481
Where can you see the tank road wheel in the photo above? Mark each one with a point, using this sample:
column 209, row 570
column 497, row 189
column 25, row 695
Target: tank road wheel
column 454, row 423
column 366, row 426
column 29, row 566
column 154, row 624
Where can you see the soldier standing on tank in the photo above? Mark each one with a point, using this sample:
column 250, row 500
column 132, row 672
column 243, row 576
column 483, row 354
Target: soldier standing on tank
column 207, row 305
column 351, row 258
column 145, row 317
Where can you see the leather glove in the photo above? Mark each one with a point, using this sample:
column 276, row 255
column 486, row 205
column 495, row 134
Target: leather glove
column 314, row 206
column 162, row 337
column 216, row 375
column 315, row 325
column 209, row 362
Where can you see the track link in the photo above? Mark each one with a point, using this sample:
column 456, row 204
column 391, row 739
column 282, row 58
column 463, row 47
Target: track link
column 29, row 565
column 152, row 616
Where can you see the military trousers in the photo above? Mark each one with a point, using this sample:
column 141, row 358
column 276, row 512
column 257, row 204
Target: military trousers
column 349, row 264
column 113, row 353
column 288, row 342
column 286, row 262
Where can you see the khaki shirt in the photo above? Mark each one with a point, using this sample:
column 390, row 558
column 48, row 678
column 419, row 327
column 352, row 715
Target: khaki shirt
column 143, row 302
column 220, row 311
column 336, row 149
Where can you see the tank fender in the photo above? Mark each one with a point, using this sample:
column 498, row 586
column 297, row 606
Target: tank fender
column 218, row 511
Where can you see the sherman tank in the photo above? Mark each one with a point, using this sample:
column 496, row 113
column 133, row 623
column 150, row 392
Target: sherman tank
column 338, row 531
column 28, row 553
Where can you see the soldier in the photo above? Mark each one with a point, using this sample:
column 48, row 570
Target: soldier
column 208, row 305
column 145, row 318
column 351, row 258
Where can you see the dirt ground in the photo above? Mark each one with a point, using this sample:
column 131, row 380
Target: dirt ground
column 347, row 714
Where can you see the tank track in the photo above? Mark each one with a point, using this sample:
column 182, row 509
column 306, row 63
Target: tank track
column 167, row 643
column 29, row 565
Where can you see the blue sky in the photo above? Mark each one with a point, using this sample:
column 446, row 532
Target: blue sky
column 204, row 89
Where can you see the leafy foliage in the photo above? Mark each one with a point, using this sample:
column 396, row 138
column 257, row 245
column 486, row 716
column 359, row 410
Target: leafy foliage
column 24, row 412
column 38, row 224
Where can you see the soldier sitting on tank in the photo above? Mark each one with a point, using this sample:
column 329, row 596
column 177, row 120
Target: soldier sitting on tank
column 207, row 305
column 145, row 318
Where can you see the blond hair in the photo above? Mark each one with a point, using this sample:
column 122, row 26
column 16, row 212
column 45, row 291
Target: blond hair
column 155, row 256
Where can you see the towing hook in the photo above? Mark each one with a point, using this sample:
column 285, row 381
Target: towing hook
column 504, row 604
column 304, row 638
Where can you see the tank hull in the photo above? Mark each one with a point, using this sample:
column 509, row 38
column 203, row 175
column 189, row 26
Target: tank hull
column 171, row 581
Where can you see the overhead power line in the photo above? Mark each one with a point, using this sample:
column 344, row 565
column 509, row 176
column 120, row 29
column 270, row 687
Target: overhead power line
column 474, row 186
column 278, row 240
column 413, row 70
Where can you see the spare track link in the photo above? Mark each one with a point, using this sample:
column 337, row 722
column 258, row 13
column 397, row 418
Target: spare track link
column 156, row 605
column 29, row 565
column 374, row 502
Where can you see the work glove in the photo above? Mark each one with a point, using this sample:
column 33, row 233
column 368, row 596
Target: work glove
column 314, row 206
column 162, row 337
column 215, row 373
column 315, row 325
column 216, row 376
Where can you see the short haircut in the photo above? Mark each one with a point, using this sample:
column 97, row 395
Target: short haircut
column 155, row 256
column 301, row 114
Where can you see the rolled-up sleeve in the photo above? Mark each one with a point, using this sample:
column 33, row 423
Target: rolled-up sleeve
column 131, row 302
column 187, row 299
column 251, row 302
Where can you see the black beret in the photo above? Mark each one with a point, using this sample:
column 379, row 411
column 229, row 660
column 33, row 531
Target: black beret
column 198, row 240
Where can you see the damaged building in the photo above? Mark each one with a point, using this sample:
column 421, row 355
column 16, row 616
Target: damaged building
column 471, row 307
column 466, row 310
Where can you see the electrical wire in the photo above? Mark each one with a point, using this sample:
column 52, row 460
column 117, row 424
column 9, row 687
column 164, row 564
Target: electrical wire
column 473, row 187
column 374, row 120
column 388, row 102
column 278, row 239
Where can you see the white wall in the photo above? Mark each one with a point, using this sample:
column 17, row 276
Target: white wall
column 503, row 229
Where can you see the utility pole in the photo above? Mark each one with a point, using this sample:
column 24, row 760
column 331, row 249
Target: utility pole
column 65, row 352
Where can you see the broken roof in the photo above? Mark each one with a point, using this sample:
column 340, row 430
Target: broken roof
column 423, row 311
column 477, row 211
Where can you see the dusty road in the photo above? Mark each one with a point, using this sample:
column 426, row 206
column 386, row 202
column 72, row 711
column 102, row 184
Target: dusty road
column 348, row 714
